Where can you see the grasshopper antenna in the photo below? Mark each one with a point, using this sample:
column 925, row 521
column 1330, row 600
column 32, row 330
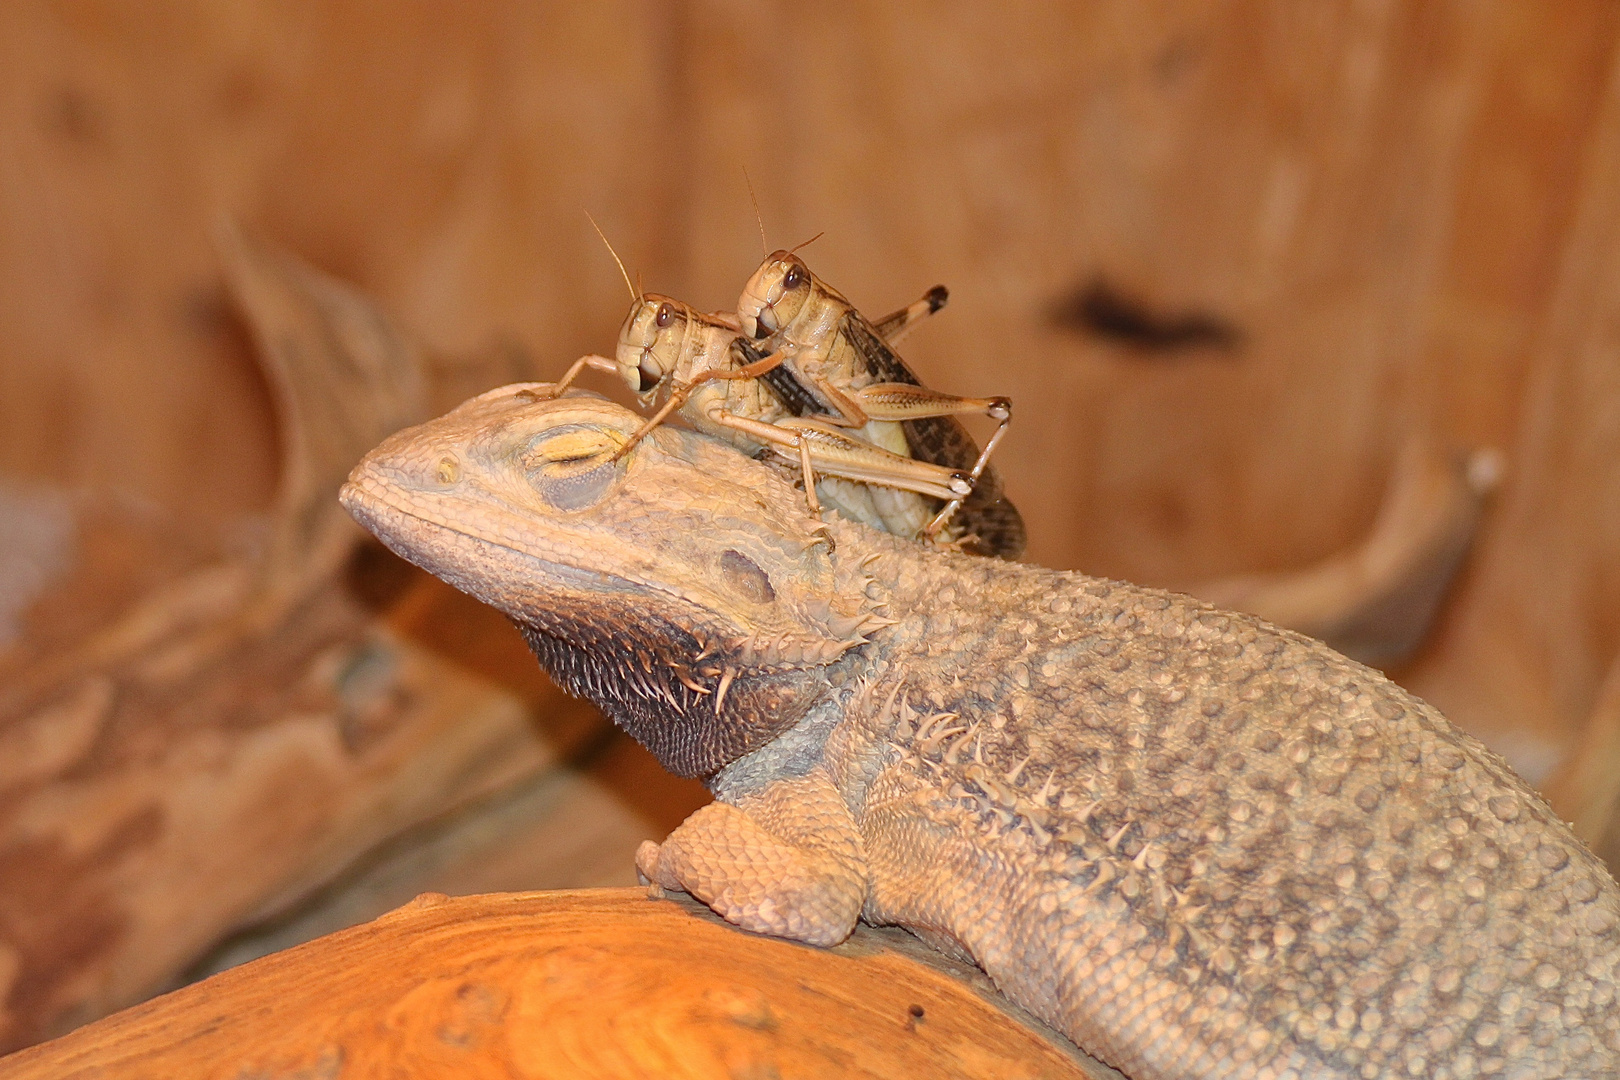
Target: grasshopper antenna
column 763, row 249
column 808, row 242
column 635, row 294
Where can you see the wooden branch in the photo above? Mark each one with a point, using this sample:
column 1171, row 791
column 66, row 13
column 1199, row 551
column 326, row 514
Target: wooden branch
column 595, row 983
column 1585, row 788
column 243, row 733
column 1527, row 652
column 344, row 376
column 1376, row 600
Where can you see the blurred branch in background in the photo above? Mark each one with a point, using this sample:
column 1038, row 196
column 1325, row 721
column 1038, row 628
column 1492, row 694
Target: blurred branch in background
column 1585, row 789
column 247, row 729
column 1377, row 601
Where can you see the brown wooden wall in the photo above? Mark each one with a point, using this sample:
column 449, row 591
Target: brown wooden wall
column 1403, row 210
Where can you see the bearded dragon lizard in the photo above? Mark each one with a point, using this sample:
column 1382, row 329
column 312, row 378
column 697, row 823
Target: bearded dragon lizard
column 1200, row 846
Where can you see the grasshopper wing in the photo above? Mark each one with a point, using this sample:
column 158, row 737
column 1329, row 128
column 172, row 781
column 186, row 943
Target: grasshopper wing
column 943, row 440
column 795, row 396
column 994, row 523
column 939, row 439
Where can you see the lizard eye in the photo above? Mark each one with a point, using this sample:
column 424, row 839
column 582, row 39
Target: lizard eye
column 573, row 469
column 665, row 316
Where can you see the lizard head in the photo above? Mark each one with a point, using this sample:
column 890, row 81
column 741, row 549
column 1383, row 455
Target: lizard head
column 682, row 586
column 775, row 294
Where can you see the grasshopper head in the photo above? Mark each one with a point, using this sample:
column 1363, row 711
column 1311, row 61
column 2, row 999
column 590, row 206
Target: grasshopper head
column 650, row 342
column 774, row 295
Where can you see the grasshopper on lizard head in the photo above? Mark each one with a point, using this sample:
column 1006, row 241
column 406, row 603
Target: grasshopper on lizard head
column 838, row 367
column 676, row 358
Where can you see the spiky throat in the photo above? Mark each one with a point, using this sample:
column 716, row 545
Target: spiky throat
column 696, row 705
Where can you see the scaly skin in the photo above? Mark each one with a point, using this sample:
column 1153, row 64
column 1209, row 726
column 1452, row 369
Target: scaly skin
column 1200, row 846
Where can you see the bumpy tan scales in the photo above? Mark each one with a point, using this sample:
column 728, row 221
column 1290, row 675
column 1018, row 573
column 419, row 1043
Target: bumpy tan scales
column 1201, row 846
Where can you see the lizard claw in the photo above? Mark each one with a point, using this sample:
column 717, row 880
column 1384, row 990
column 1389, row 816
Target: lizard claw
column 647, row 869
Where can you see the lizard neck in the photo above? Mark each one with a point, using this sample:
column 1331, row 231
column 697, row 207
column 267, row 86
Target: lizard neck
column 911, row 587
column 941, row 600
column 940, row 606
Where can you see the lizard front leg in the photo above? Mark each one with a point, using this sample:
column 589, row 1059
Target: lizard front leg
column 785, row 860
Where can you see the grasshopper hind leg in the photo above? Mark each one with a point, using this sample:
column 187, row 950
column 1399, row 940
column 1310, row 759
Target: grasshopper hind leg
column 896, row 325
column 1001, row 409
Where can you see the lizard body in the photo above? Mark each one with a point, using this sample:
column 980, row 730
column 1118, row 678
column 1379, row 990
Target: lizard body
column 1201, row 846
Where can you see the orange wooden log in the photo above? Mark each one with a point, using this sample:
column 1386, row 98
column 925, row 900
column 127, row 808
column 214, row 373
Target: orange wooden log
column 588, row 983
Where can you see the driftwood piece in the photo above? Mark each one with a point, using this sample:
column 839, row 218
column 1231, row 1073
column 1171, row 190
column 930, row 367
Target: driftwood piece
column 1525, row 653
column 596, row 983
column 243, row 732
column 343, row 375
column 560, row 830
column 1376, row 601
column 1585, row 788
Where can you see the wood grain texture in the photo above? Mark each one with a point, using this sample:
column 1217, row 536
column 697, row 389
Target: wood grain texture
column 438, row 157
column 595, row 983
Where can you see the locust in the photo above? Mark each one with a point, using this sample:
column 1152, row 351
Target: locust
column 838, row 368
column 676, row 358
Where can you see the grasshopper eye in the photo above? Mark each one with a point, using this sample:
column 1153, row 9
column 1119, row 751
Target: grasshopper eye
column 573, row 469
column 665, row 316
column 793, row 278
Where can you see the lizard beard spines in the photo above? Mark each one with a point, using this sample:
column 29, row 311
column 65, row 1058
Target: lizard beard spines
column 692, row 729
column 788, row 652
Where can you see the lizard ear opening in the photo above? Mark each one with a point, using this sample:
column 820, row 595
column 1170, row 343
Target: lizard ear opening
column 574, row 468
column 745, row 577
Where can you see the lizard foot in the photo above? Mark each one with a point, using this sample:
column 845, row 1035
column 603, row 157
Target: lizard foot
column 808, row 885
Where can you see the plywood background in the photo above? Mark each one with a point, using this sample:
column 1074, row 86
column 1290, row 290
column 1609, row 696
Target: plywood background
column 1403, row 209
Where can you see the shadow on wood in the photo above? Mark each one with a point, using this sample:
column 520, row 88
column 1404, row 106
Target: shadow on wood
column 1585, row 789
